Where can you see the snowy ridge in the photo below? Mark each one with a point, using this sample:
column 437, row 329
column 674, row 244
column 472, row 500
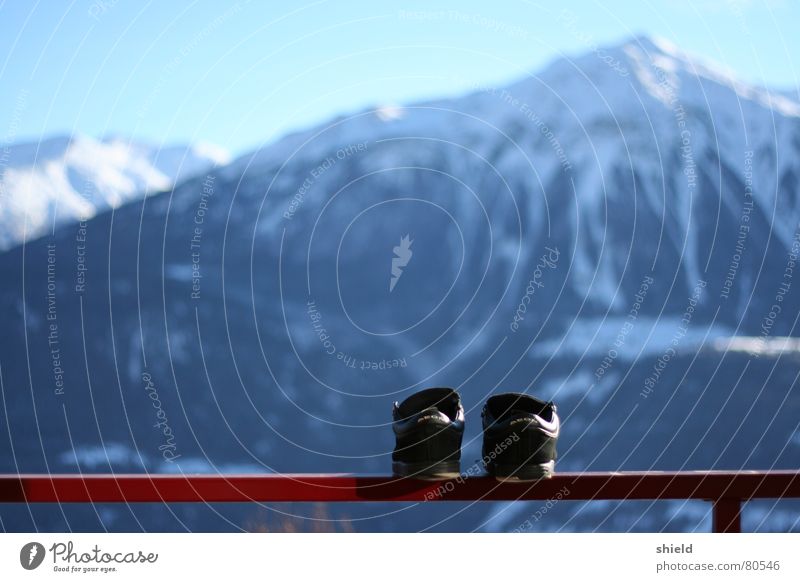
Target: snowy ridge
column 670, row 133
column 68, row 178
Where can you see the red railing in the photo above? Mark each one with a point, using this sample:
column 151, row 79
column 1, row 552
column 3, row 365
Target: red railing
column 726, row 490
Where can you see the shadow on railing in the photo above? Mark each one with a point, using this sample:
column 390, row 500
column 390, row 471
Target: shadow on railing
column 726, row 490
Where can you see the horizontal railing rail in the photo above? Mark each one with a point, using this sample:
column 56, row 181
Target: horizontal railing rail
column 726, row 490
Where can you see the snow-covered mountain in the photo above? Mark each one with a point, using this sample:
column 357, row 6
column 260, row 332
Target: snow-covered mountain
column 69, row 178
column 590, row 233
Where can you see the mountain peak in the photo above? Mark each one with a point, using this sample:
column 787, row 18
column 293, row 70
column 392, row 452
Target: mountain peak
column 654, row 44
column 667, row 73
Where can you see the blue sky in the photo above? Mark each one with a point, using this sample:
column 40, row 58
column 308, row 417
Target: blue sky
column 242, row 74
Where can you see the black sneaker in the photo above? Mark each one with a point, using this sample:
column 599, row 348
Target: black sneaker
column 519, row 437
column 428, row 426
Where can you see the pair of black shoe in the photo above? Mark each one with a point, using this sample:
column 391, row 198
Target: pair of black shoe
column 519, row 436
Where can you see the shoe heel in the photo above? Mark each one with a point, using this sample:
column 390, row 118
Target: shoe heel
column 522, row 473
column 427, row 471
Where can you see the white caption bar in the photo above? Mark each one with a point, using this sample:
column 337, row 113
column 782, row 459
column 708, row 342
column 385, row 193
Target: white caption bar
column 371, row 557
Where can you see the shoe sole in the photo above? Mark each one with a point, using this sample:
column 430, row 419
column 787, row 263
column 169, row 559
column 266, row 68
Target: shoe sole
column 427, row 471
column 522, row 473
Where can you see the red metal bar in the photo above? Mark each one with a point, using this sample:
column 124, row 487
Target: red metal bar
column 725, row 489
column 706, row 485
column 727, row 516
